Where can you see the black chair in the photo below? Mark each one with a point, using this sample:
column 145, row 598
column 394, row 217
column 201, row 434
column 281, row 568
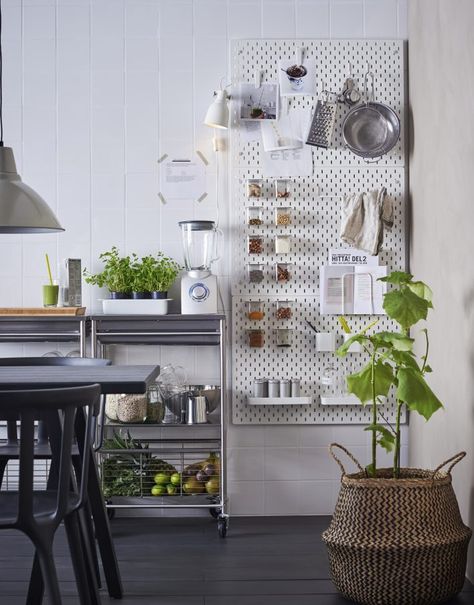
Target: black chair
column 39, row 513
column 9, row 451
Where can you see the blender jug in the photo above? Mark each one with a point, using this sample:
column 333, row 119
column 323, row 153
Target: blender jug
column 200, row 243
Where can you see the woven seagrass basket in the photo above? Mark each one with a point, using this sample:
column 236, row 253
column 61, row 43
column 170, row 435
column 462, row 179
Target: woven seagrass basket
column 397, row 541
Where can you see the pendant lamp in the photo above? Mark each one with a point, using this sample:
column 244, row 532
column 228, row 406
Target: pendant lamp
column 22, row 210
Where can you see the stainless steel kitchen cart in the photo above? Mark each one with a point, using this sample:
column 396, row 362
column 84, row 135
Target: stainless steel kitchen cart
column 132, row 454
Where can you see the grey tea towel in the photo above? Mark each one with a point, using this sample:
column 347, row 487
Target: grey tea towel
column 363, row 217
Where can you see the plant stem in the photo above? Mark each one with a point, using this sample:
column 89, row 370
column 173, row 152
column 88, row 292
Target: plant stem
column 396, row 455
column 427, row 350
column 374, row 417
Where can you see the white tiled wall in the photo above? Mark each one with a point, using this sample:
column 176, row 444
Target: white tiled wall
column 94, row 92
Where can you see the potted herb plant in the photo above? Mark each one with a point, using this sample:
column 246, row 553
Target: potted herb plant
column 396, row 535
column 116, row 275
column 155, row 275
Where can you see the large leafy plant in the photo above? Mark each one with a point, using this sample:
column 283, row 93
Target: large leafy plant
column 393, row 366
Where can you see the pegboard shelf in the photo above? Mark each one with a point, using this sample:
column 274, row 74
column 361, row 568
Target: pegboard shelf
column 340, row 400
column 279, row 400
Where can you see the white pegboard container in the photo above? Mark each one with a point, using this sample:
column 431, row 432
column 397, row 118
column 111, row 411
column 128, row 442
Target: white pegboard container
column 314, row 229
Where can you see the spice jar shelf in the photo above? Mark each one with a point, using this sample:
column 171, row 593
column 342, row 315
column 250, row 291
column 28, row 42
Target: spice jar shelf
column 280, row 400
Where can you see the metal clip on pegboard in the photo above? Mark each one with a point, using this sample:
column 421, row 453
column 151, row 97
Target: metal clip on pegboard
column 314, row 228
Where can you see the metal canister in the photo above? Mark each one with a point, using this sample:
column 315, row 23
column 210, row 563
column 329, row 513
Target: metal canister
column 260, row 387
column 285, row 388
column 295, row 387
column 273, row 388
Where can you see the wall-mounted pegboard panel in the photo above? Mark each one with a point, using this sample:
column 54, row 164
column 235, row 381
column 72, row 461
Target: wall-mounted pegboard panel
column 314, row 204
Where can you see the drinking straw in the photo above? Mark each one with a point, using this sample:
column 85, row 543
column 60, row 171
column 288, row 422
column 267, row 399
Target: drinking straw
column 49, row 270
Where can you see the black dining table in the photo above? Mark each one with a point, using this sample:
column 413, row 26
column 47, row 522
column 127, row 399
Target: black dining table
column 112, row 380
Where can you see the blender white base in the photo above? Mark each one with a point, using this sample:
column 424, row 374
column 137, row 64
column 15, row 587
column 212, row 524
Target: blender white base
column 198, row 295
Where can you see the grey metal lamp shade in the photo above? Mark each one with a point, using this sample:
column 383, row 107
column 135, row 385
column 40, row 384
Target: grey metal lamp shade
column 22, row 210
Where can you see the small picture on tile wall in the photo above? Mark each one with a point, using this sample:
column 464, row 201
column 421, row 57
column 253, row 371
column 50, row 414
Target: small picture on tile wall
column 258, row 103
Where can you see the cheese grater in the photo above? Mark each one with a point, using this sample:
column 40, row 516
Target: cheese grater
column 322, row 126
column 72, row 295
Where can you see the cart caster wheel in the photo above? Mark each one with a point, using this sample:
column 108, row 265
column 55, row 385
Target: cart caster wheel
column 110, row 511
column 215, row 512
column 222, row 525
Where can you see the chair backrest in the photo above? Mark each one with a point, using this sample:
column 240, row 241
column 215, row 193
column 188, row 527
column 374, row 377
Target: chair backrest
column 57, row 408
column 53, row 361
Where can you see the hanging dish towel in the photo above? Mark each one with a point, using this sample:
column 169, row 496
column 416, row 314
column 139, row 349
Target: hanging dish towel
column 363, row 217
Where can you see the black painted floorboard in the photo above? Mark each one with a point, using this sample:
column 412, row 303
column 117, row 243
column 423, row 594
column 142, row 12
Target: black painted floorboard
column 263, row 561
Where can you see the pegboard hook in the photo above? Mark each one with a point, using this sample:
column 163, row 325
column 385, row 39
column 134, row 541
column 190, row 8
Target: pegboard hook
column 299, row 55
column 258, row 78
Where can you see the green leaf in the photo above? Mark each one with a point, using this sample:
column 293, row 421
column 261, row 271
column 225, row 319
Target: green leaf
column 371, row 325
column 386, row 438
column 405, row 307
column 415, row 392
column 342, row 350
column 360, row 384
column 344, row 324
column 428, row 369
column 397, row 277
column 404, row 358
column 422, row 290
column 370, row 470
column 400, row 342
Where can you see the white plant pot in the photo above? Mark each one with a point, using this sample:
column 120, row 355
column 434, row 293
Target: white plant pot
column 355, row 347
column 140, row 306
column 325, row 341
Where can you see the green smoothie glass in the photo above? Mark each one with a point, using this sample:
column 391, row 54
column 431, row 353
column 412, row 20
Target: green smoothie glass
column 50, row 295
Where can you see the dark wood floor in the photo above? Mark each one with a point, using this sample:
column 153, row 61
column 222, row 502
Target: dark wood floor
column 263, row 561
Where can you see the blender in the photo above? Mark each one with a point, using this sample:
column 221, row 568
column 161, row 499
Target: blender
column 198, row 284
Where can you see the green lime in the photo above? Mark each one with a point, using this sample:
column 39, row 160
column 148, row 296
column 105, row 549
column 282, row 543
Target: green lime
column 162, row 478
column 158, row 490
column 175, row 479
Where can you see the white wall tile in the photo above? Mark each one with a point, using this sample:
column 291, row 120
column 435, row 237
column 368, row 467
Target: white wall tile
column 39, row 54
column 245, row 436
column 245, row 19
column 141, row 54
column 380, row 18
column 107, row 53
column 210, row 18
column 347, row 19
column 281, row 464
column 108, row 19
column 281, row 498
column 245, row 497
column 312, row 18
column 176, row 16
column 403, row 19
column 281, row 436
column 316, row 497
column 73, row 21
column 245, row 464
column 73, row 55
column 11, row 26
column 10, row 260
column 278, row 19
column 141, row 20
column 107, row 87
column 39, row 22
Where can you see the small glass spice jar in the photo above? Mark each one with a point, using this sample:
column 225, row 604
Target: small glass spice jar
column 254, row 216
column 284, row 309
column 256, row 338
column 284, row 337
column 282, row 190
column 254, row 188
column 255, row 310
column 283, row 216
column 283, row 272
column 255, row 274
column 282, row 244
column 255, row 244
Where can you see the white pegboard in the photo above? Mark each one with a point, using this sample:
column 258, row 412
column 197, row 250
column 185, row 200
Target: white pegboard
column 315, row 207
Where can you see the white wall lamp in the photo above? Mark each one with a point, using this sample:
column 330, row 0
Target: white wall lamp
column 217, row 116
column 22, row 210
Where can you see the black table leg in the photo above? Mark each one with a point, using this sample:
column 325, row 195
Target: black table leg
column 101, row 521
